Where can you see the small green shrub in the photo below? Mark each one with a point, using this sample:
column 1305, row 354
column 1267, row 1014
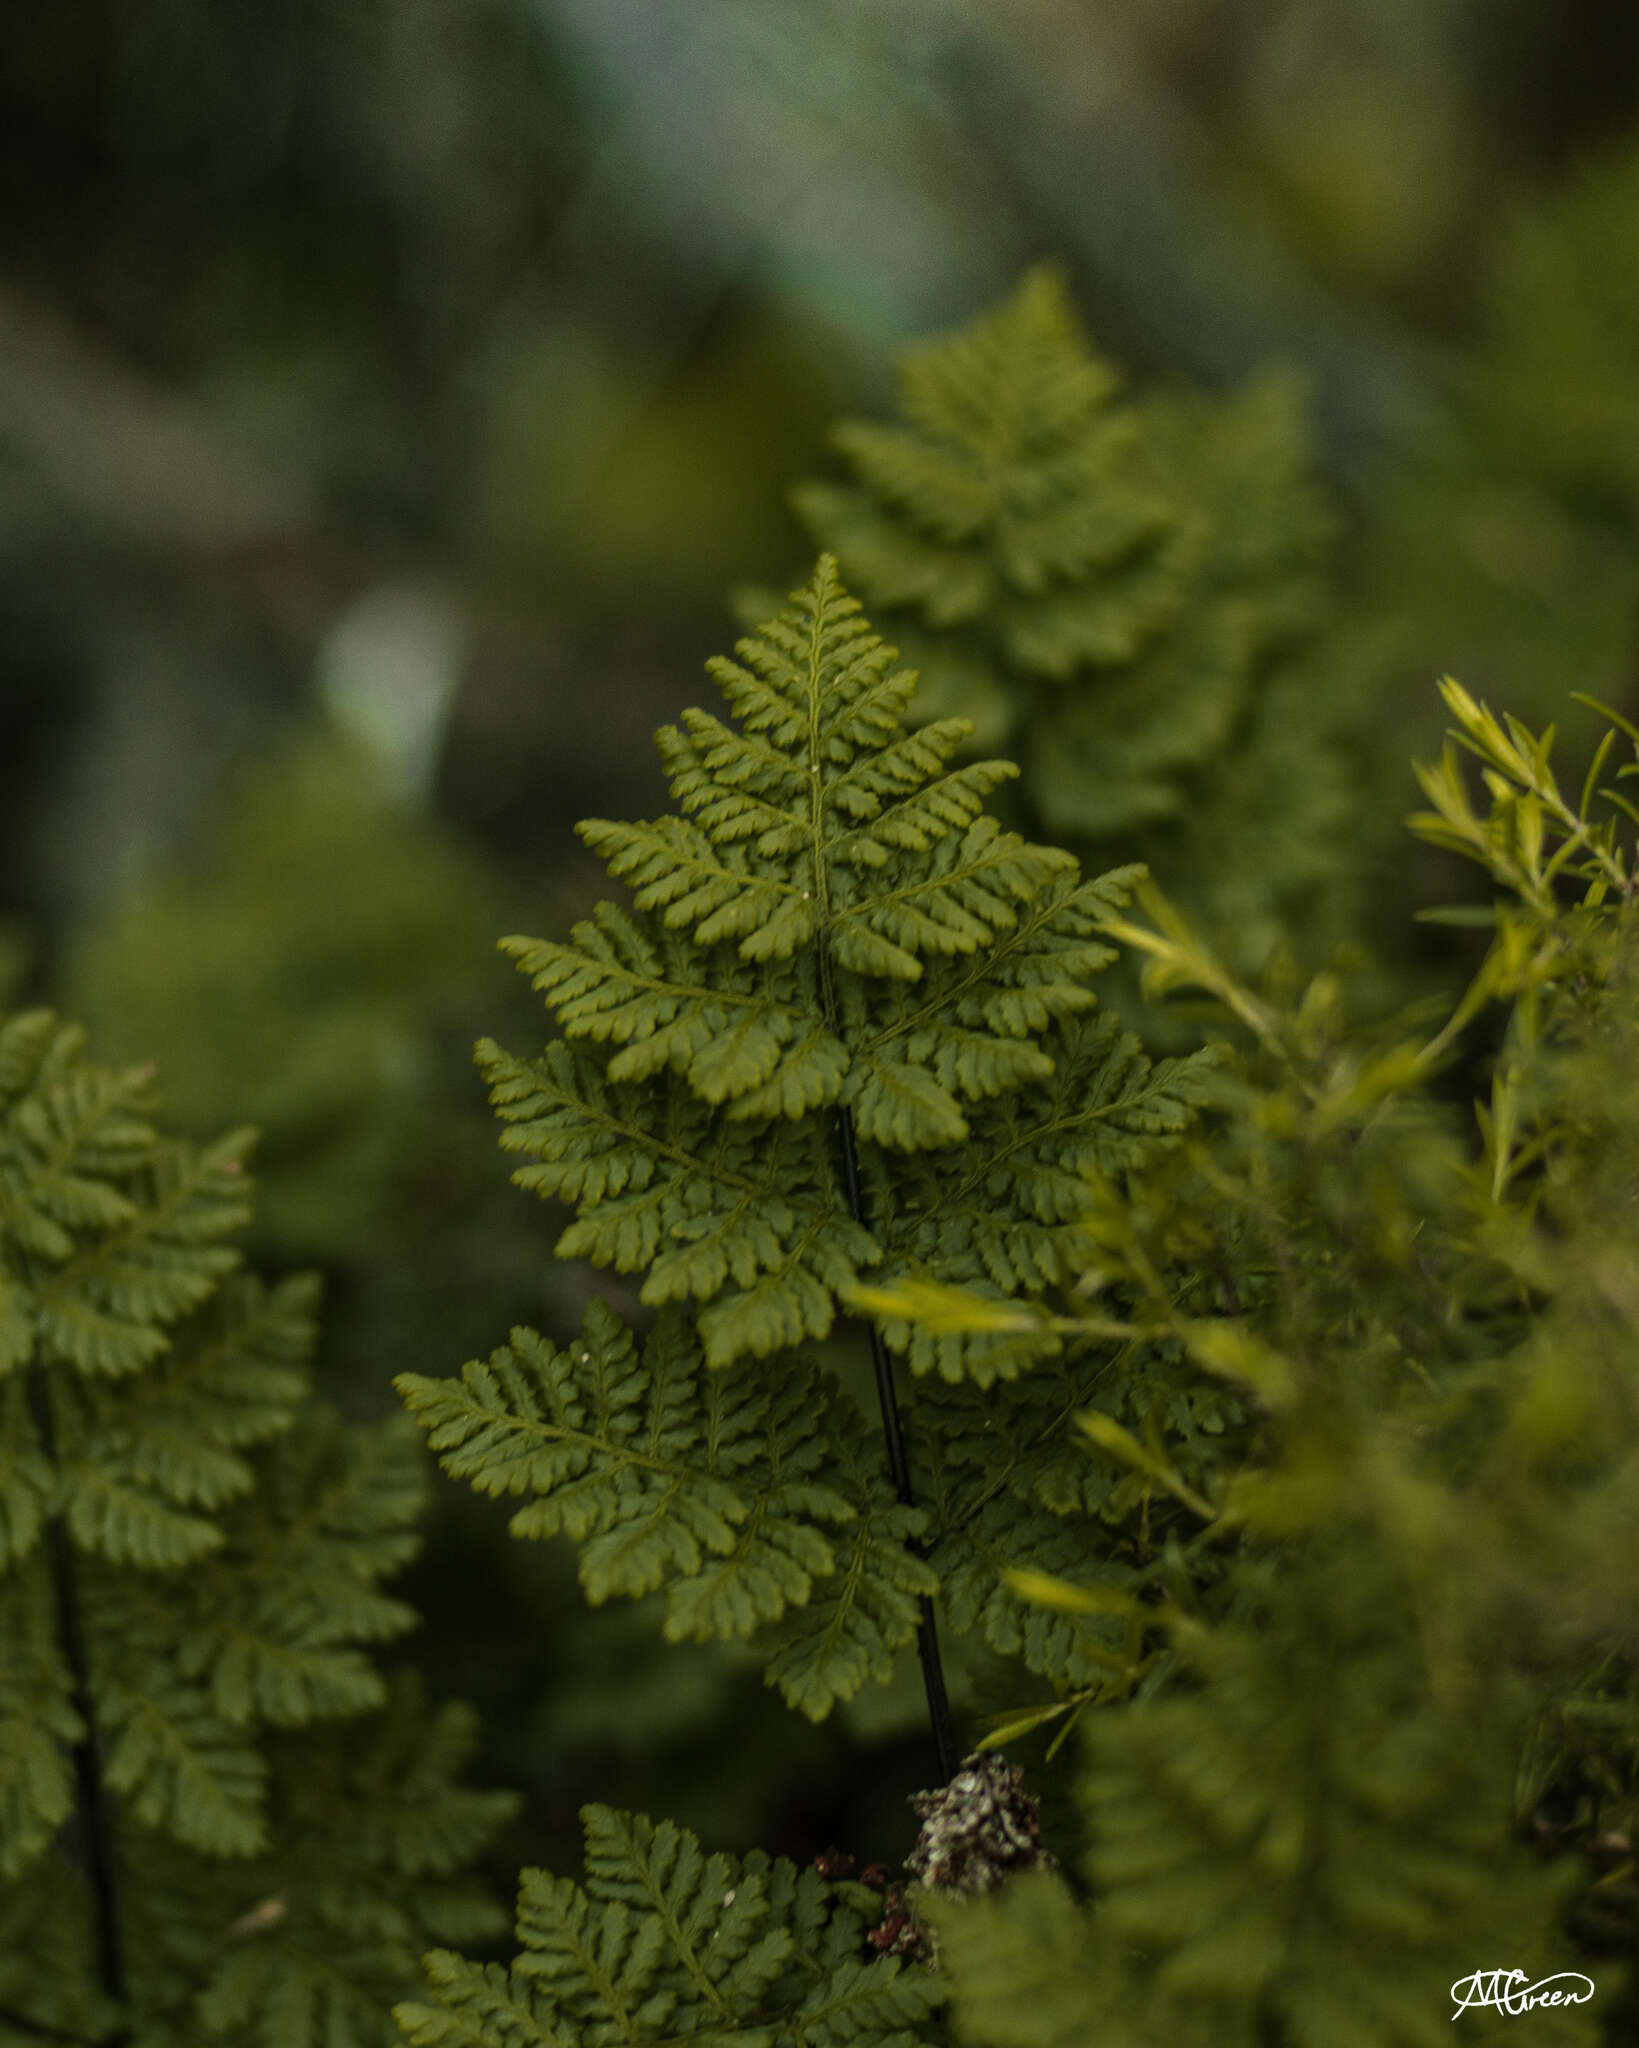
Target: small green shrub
column 1399, row 1743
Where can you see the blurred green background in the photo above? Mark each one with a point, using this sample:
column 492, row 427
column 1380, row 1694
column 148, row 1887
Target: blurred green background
column 390, row 394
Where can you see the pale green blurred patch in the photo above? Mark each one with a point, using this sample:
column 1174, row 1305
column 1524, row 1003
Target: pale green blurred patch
column 1371, row 174
column 621, row 479
column 298, row 973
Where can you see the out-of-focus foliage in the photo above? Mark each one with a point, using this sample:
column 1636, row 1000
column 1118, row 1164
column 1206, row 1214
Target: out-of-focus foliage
column 591, row 489
column 218, row 1819
column 1399, row 1738
column 1553, row 387
column 1121, row 592
column 1507, row 548
column 306, row 970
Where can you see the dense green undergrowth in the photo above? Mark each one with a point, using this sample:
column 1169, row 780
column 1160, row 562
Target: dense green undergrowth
column 1295, row 1472
column 1247, row 1441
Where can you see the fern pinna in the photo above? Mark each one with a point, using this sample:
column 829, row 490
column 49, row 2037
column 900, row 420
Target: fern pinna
column 217, row 1819
column 842, row 1034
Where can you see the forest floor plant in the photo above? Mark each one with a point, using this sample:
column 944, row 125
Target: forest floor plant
column 1271, row 1428
column 843, row 1031
column 1291, row 1451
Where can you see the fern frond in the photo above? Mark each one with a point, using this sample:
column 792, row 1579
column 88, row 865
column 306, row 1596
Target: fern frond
column 308, row 1945
column 1015, row 503
column 212, row 1575
column 848, row 1633
column 1007, row 1223
column 47, row 1974
column 733, row 1036
column 835, row 924
column 748, row 1503
column 68, row 1135
column 334, row 1513
column 1112, row 588
column 28, row 1478
column 972, row 1559
column 743, row 1212
column 104, row 1307
column 665, row 1944
column 183, row 1770
column 38, row 1722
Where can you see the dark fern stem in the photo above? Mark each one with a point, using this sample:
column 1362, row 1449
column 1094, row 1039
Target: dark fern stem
column 96, row 1829
column 927, row 1633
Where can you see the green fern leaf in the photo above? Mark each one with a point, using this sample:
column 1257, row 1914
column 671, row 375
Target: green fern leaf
column 1115, row 588
column 727, row 1207
column 124, row 1523
column 1007, row 1223
column 333, row 1514
column 28, row 1478
column 850, row 1631
column 182, row 1768
column 972, row 1559
column 271, row 1998
column 46, row 1973
column 750, row 1503
column 102, row 1306
column 38, row 1722
column 834, row 924
column 221, row 1570
column 16, row 1323
column 364, row 1877
column 68, row 1134
column 665, row 1944
column 413, row 1816
column 1014, row 499
column 133, row 1459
